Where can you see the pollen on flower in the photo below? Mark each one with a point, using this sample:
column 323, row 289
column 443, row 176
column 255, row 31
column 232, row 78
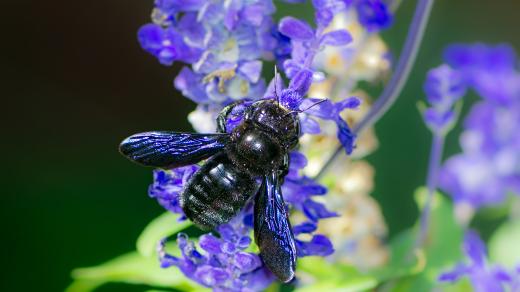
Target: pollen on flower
column 222, row 76
column 160, row 18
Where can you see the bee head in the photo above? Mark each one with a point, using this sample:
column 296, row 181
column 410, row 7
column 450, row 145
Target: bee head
column 282, row 123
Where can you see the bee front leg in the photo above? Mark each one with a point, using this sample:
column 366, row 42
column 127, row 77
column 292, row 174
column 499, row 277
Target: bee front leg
column 223, row 115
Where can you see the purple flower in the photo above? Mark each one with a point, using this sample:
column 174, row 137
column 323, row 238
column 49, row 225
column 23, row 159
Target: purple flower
column 224, row 43
column 319, row 245
column 483, row 277
column 490, row 70
column 223, row 264
column 489, row 166
column 168, row 184
column 328, row 110
column 443, row 87
column 515, row 285
column 167, row 45
column 306, row 42
column 374, row 15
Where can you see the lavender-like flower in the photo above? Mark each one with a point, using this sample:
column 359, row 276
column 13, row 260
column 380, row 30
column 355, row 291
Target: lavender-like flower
column 374, row 15
column 225, row 43
column 168, row 184
column 484, row 277
column 489, row 165
column 443, row 87
column 306, row 42
column 224, row 265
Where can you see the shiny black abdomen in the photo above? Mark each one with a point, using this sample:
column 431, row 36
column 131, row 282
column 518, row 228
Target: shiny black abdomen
column 217, row 192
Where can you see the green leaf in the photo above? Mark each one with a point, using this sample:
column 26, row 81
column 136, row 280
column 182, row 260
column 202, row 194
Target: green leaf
column 163, row 226
column 442, row 249
column 131, row 268
column 333, row 277
column 503, row 245
column 402, row 262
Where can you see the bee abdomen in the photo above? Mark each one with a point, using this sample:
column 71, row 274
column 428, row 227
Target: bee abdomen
column 216, row 192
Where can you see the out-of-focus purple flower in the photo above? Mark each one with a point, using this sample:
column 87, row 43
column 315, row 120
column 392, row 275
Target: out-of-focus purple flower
column 483, row 277
column 490, row 70
column 168, row 184
column 223, row 265
column 515, row 285
column 374, row 15
column 489, row 166
column 443, row 87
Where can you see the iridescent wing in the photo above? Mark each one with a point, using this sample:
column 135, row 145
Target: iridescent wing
column 171, row 149
column 273, row 233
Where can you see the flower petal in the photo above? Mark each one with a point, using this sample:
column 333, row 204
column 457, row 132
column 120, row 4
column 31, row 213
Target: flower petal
column 319, row 245
column 339, row 37
column 345, row 135
column 295, row 29
column 315, row 211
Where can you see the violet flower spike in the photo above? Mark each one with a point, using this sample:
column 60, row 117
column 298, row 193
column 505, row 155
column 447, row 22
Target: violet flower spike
column 489, row 166
column 443, row 87
column 224, row 43
column 483, row 276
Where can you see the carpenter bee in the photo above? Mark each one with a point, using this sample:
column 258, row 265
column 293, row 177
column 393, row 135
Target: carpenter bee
column 252, row 159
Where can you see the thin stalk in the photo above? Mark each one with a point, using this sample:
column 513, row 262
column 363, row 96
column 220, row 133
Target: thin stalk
column 392, row 91
column 431, row 184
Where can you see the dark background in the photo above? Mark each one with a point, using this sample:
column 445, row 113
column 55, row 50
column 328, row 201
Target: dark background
column 74, row 82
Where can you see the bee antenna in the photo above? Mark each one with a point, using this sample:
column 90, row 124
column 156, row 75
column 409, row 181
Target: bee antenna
column 311, row 106
column 275, row 85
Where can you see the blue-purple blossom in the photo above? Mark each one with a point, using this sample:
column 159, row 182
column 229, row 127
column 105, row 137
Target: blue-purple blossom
column 223, row 41
column 490, row 70
column 166, row 44
column 223, row 44
column 515, row 285
column 223, row 265
column 483, row 277
column 489, row 166
column 306, row 42
column 168, row 184
column 374, row 15
column 443, row 87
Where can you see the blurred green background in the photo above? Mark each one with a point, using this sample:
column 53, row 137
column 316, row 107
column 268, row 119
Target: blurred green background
column 75, row 82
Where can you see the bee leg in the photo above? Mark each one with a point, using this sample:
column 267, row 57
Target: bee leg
column 224, row 113
column 284, row 170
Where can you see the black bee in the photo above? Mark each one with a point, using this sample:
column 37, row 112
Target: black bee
column 256, row 150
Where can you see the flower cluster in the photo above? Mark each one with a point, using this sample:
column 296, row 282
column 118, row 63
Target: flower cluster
column 224, row 265
column 489, row 166
column 224, row 43
column 483, row 276
column 444, row 87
